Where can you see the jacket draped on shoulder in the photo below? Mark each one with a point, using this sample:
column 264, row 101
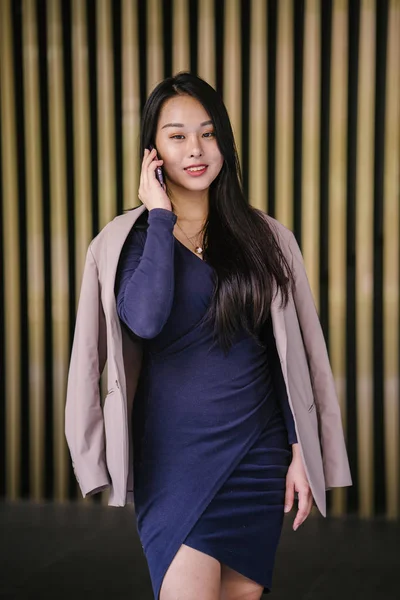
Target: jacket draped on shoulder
column 99, row 434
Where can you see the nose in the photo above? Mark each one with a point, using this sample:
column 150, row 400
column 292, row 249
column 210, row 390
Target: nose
column 195, row 147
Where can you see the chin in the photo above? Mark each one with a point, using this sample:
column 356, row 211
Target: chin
column 198, row 186
column 194, row 185
column 201, row 183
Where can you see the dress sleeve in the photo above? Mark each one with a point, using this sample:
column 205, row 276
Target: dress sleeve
column 145, row 276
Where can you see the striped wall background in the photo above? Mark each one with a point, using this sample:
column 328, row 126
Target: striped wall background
column 313, row 91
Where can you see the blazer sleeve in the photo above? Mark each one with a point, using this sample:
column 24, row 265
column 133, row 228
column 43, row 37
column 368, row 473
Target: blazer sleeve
column 334, row 454
column 84, row 426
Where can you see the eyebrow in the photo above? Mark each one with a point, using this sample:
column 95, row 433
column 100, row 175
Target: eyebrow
column 182, row 125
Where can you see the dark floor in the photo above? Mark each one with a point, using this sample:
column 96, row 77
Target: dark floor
column 93, row 552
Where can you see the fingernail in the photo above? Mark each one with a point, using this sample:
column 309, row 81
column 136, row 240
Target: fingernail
column 295, row 527
column 287, row 508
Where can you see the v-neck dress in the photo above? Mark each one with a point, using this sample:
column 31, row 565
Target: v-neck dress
column 211, row 440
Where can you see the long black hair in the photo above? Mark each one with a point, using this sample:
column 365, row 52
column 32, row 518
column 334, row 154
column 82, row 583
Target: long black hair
column 238, row 242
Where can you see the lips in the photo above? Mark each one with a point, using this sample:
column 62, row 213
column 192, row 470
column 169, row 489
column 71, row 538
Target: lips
column 197, row 172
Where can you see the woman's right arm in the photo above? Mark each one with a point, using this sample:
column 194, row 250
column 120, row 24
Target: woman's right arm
column 145, row 277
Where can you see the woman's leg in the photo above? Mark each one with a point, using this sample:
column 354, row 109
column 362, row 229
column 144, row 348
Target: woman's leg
column 191, row 575
column 235, row 586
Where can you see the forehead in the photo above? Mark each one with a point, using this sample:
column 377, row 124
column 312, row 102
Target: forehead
column 183, row 109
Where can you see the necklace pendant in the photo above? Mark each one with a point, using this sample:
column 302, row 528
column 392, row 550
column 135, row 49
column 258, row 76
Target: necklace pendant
column 199, row 250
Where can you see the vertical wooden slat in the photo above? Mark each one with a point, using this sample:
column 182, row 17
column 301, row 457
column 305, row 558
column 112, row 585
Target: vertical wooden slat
column 105, row 122
column 284, row 114
column 130, row 103
column 82, row 156
column 180, row 37
column 35, row 248
column 233, row 70
column 258, row 145
column 206, row 42
column 364, row 255
column 155, row 69
column 391, row 284
column 311, row 143
column 337, row 214
column 11, row 258
column 59, row 241
column 105, row 127
column 82, row 159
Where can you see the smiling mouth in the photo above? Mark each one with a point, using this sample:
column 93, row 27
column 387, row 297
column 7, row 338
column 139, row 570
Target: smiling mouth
column 198, row 169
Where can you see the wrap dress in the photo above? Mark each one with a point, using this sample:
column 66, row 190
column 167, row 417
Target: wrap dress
column 212, row 441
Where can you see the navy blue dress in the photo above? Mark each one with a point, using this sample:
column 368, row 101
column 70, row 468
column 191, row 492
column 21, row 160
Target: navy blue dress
column 211, row 440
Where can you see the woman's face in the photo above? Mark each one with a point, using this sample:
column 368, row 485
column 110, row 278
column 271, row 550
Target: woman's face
column 185, row 138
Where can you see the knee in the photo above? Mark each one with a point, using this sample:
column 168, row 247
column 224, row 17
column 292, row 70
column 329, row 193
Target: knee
column 235, row 586
column 241, row 595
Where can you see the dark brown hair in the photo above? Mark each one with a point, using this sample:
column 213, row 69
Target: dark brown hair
column 238, row 240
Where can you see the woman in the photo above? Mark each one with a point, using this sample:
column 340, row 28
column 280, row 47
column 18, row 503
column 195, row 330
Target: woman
column 220, row 346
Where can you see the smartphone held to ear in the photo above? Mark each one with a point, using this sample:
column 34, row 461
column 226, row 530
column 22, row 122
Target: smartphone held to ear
column 159, row 173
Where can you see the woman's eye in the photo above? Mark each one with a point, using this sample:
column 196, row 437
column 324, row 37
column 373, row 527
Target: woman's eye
column 180, row 136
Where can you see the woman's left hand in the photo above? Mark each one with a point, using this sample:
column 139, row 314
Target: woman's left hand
column 296, row 481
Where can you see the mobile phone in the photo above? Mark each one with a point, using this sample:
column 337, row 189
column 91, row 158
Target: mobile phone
column 159, row 173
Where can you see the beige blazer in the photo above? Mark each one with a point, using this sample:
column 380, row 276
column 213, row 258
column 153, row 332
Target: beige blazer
column 99, row 436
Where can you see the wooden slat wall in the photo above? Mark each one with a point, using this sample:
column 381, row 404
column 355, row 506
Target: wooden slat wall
column 391, row 264
column 34, row 222
column 10, row 251
column 313, row 90
column 337, row 214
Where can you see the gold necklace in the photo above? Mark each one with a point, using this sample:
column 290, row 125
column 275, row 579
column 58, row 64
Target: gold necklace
column 197, row 249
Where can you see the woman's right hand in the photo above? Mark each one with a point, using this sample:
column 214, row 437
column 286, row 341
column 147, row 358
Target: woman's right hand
column 150, row 191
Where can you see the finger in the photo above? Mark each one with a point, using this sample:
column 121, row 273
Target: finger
column 151, row 169
column 300, row 518
column 150, row 156
column 145, row 155
column 304, row 508
column 147, row 171
column 155, row 163
column 143, row 180
column 289, row 497
column 302, row 505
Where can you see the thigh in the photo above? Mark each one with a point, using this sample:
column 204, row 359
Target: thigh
column 191, row 575
column 235, row 586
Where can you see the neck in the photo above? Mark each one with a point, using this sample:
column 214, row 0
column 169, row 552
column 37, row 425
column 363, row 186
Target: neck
column 189, row 207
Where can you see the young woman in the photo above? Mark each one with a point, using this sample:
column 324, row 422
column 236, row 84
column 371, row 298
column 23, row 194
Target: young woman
column 201, row 305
